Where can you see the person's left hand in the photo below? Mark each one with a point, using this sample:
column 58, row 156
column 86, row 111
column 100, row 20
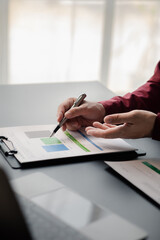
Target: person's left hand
column 134, row 124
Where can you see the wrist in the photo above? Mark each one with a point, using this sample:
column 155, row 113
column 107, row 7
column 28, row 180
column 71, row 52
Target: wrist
column 102, row 111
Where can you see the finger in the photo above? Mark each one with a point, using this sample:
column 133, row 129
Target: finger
column 76, row 112
column 119, row 118
column 64, row 127
column 72, row 125
column 116, row 132
column 59, row 116
column 103, row 125
column 96, row 132
column 63, row 107
column 100, row 125
column 109, row 125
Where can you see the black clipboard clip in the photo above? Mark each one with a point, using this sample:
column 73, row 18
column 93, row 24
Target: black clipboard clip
column 6, row 150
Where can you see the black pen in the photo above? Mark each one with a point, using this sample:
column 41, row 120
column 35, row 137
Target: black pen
column 75, row 104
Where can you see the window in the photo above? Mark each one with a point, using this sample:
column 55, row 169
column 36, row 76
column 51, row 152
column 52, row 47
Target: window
column 135, row 44
column 116, row 42
column 54, row 40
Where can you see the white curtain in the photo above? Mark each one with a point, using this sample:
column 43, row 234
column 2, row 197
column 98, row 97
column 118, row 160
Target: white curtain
column 116, row 42
column 135, row 44
column 54, row 40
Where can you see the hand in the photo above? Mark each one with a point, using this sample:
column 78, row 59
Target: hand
column 82, row 116
column 134, row 124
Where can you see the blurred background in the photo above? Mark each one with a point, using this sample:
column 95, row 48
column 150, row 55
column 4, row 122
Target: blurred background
column 116, row 42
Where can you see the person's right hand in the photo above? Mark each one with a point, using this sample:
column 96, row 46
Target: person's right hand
column 82, row 116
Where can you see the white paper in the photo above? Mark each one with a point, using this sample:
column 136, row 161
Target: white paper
column 34, row 144
column 144, row 174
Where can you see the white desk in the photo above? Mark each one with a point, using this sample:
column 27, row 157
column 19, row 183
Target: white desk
column 37, row 104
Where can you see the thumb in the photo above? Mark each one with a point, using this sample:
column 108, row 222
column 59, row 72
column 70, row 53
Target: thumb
column 118, row 118
column 75, row 112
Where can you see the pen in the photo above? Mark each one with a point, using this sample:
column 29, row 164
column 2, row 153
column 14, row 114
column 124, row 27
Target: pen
column 78, row 102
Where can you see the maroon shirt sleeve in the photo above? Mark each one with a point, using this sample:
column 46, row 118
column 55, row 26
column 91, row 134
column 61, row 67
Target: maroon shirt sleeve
column 146, row 97
column 156, row 129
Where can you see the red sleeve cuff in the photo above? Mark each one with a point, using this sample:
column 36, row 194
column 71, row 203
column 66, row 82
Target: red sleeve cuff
column 156, row 129
column 113, row 105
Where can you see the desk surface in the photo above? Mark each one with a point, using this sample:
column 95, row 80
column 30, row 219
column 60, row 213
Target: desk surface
column 37, row 104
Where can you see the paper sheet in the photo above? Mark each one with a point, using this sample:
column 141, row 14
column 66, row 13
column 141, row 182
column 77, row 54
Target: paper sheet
column 34, row 144
column 144, row 174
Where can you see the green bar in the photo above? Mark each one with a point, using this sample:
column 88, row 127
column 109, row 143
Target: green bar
column 76, row 142
column 50, row 141
column 152, row 167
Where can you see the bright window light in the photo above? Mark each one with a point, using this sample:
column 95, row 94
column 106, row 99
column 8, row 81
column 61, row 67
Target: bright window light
column 136, row 44
column 54, row 41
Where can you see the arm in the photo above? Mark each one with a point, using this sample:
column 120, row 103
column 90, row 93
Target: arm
column 146, row 97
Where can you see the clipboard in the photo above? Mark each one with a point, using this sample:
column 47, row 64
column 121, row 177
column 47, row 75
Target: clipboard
column 31, row 146
column 9, row 154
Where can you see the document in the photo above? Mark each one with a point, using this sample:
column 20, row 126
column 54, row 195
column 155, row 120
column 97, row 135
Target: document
column 144, row 174
column 34, row 143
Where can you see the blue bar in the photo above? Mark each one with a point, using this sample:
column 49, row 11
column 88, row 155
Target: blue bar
column 89, row 140
column 55, row 148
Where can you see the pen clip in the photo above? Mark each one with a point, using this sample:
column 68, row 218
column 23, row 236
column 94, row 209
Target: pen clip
column 79, row 100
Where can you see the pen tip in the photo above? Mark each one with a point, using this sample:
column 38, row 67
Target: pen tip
column 52, row 134
column 55, row 130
